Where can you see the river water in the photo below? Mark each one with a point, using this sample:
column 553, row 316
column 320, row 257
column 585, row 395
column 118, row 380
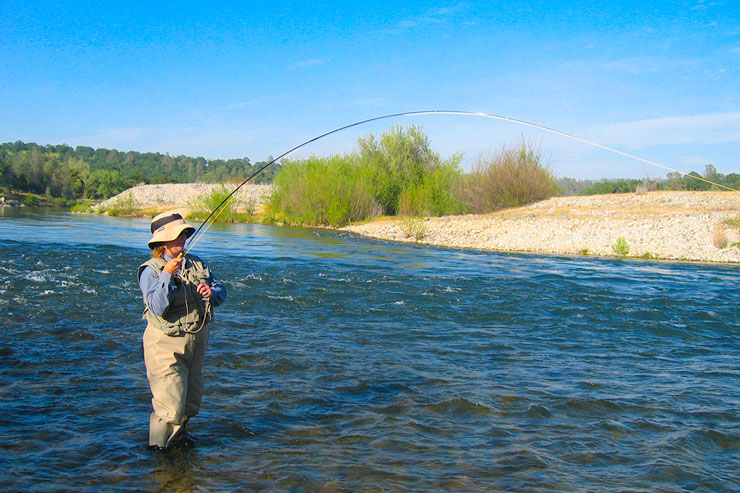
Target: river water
column 339, row 363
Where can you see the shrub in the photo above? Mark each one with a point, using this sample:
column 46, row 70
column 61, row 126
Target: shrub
column 400, row 174
column 81, row 206
column 322, row 191
column 647, row 185
column 510, row 178
column 31, row 201
column 621, row 247
column 401, row 166
column 719, row 237
column 436, row 195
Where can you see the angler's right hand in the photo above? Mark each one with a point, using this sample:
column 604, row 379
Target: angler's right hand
column 173, row 265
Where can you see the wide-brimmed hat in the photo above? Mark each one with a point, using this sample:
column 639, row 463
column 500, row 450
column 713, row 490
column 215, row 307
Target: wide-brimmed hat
column 167, row 227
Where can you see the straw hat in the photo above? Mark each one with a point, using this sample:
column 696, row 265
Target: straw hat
column 167, row 227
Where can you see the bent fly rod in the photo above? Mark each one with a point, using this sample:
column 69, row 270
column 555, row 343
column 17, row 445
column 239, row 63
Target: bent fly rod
column 221, row 206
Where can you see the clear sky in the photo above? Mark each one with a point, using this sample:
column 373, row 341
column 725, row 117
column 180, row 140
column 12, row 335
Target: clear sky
column 658, row 79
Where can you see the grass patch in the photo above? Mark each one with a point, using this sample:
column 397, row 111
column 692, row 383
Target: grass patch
column 125, row 205
column 733, row 221
column 201, row 207
column 414, row 227
column 82, row 206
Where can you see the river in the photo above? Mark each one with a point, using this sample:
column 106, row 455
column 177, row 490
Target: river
column 339, row 363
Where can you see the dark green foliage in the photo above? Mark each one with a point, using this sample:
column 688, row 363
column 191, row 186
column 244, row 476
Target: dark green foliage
column 31, row 201
column 612, row 186
column 61, row 171
column 693, row 181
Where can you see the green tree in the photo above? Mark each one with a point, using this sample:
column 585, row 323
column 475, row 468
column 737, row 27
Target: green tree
column 104, row 183
column 711, row 174
column 79, row 176
column 612, row 186
column 694, row 182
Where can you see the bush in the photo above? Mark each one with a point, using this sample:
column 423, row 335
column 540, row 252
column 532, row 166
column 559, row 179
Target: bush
column 621, row 247
column 400, row 174
column 31, row 201
column 81, row 206
column 322, row 191
column 719, row 237
column 510, row 178
column 437, row 195
column 402, row 167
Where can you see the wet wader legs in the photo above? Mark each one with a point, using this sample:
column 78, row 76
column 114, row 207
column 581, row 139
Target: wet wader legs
column 174, row 367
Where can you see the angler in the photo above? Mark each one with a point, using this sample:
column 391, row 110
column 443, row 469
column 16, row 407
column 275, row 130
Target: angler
column 179, row 293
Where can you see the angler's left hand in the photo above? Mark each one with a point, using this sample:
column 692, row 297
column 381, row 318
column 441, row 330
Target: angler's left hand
column 204, row 290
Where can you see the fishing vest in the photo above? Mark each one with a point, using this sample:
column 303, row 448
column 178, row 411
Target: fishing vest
column 187, row 309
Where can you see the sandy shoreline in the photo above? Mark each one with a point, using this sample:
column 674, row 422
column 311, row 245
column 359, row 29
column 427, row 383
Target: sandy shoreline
column 664, row 225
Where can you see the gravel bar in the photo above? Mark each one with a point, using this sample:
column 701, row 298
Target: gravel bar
column 664, row 225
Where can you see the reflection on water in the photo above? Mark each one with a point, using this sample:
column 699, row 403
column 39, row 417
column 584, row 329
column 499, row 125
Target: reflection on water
column 339, row 363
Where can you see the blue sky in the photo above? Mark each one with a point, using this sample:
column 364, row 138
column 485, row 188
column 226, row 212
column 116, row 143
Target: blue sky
column 658, row 79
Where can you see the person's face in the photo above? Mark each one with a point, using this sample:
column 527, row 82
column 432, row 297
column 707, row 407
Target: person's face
column 175, row 247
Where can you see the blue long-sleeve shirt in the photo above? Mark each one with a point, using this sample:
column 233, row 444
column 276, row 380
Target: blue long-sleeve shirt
column 159, row 290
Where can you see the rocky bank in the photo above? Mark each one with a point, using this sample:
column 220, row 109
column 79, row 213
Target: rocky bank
column 665, row 225
column 157, row 198
column 699, row 226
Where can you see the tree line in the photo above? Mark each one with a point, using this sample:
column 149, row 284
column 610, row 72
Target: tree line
column 75, row 173
column 69, row 174
column 673, row 182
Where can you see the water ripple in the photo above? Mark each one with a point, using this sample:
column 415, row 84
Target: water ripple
column 344, row 364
